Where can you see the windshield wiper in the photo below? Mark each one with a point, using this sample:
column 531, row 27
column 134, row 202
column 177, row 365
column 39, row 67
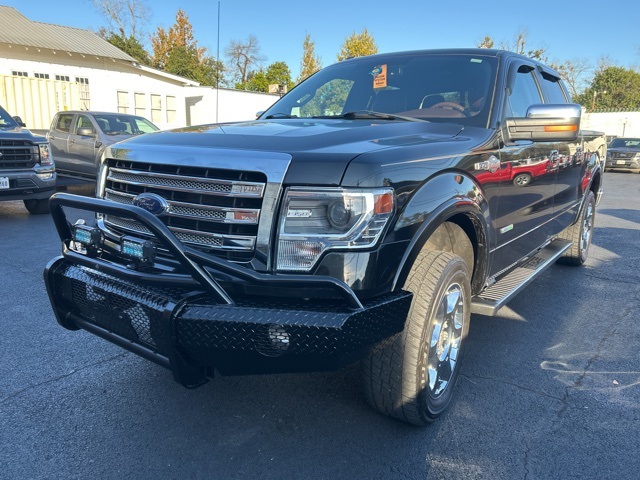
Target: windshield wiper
column 279, row 115
column 370, row 114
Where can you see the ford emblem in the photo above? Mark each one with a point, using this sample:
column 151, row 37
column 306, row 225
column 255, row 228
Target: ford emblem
column 152, row 203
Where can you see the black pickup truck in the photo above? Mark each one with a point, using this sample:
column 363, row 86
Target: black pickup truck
column 27, row 170
column 364, row 217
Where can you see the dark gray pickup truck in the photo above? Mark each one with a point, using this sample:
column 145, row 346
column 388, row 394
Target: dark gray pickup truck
column 27, row 171
column 364, row 217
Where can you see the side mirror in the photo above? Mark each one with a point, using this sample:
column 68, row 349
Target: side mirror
column 259, row 114
column 19, row 121
column 86, row 132
column 545, row 123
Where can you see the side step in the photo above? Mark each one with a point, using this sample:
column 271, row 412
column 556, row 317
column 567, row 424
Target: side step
column 492, row 299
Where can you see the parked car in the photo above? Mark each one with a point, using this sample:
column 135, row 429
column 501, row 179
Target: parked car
column 624, row 154
column 78, row 138
column 27, row 171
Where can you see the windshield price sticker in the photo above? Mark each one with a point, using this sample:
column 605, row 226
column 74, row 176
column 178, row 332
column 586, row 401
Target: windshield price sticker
column 379, row 76
column 4, row 182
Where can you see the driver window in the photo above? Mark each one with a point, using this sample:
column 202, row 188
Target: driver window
column 84, row 122
column 524, row 93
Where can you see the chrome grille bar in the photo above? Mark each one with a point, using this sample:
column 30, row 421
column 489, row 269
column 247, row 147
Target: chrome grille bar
column 227, row 188
column 231, row 215
column 201, row 239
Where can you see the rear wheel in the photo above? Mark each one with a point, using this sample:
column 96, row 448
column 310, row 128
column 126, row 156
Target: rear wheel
column 411, row 377
column 580, row 234
column 522, row 180
column 37, row 207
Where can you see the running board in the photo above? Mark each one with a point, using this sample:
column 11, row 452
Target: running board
column 492, row 299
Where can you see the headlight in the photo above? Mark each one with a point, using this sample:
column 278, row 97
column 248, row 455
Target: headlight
column 316, row 220
column 46, row 159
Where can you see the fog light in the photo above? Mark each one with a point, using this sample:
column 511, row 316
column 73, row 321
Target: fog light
column 87, row 239
column 138, row 249
column 45, row 176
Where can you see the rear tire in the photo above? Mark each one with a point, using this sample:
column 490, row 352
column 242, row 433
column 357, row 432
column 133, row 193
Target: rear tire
column 37, row 207
column 412, row 376
column 580, row 234
column 522, row 180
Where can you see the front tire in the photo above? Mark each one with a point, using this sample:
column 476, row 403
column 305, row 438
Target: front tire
column 37, row 207
column 412, row 376
column 580, row 234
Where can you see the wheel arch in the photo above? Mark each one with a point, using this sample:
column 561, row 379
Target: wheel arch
column 465, row 207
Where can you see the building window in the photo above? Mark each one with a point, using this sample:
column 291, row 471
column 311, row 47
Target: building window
column 44, row 76
column 85, row 97
column 171, row 109
column 17, row 73
column 156, row 108
column 62, row 78
column 140, row 103
column 123, row 102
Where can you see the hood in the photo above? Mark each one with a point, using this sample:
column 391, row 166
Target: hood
column 320, row 149
column 20, row 133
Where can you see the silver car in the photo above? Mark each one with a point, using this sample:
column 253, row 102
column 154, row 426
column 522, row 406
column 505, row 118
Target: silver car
column 78, row 138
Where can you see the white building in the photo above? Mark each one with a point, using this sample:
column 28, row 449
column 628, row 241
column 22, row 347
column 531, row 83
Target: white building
column 48, row 68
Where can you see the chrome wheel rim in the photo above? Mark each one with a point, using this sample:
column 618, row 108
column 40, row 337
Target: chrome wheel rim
column 445, row 340
column 587, row 228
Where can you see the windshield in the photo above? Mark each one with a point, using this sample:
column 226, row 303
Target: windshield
column 124, row 124
column 435, row 87
column 6, row 121
column 633, row 143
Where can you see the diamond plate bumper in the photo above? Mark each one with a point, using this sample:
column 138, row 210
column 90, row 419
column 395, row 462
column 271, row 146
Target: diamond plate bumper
column 192, row 333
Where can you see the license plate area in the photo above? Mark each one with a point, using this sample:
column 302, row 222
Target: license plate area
column 621, row 162
column 4, row 183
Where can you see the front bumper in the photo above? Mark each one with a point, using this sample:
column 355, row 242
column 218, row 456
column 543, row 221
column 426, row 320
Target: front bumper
column 26, row 185
column 629, row 165
column 186, row 324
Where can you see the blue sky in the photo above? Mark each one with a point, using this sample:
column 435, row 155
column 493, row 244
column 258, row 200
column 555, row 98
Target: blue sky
column 591, row 31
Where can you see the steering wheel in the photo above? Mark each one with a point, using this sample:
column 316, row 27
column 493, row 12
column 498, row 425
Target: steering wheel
column 449, row 106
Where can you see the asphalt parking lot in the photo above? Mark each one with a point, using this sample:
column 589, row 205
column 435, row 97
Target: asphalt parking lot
column 549, row 389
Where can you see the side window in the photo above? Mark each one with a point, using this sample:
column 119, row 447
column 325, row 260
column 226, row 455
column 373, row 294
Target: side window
column 84, row 122
column 524, row 93
column 64, row 122
column 552, row 89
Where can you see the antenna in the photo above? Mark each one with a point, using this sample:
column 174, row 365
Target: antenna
column 218, row 65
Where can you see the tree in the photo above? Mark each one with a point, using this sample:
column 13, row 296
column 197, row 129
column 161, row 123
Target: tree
column 176, row 51
column 278, row 73
column 358, row 45
column 612, row 88
column 518, row 45
column 574, row 73
column 244, row 58
column 125, row 17
column 129, row 45
column 310, row 63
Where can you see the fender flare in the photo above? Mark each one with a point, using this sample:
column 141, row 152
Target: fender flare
column 440, row 199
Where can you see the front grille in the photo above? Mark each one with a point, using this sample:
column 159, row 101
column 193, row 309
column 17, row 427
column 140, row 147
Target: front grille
column 211, row 209
column 18, row 154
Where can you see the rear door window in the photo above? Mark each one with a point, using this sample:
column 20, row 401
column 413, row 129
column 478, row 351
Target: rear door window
column 552, row 89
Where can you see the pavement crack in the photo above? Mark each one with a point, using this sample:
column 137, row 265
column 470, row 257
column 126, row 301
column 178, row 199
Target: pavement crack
column 520, row 387
column 527, row 450
column 596, row 355
column 60, row 377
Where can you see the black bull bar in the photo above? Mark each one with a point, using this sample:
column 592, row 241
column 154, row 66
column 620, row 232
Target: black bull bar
column 186, row 320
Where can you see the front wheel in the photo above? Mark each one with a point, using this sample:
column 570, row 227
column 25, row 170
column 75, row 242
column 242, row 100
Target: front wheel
column 412, row 376
column 580, row 234
column 37, row 207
